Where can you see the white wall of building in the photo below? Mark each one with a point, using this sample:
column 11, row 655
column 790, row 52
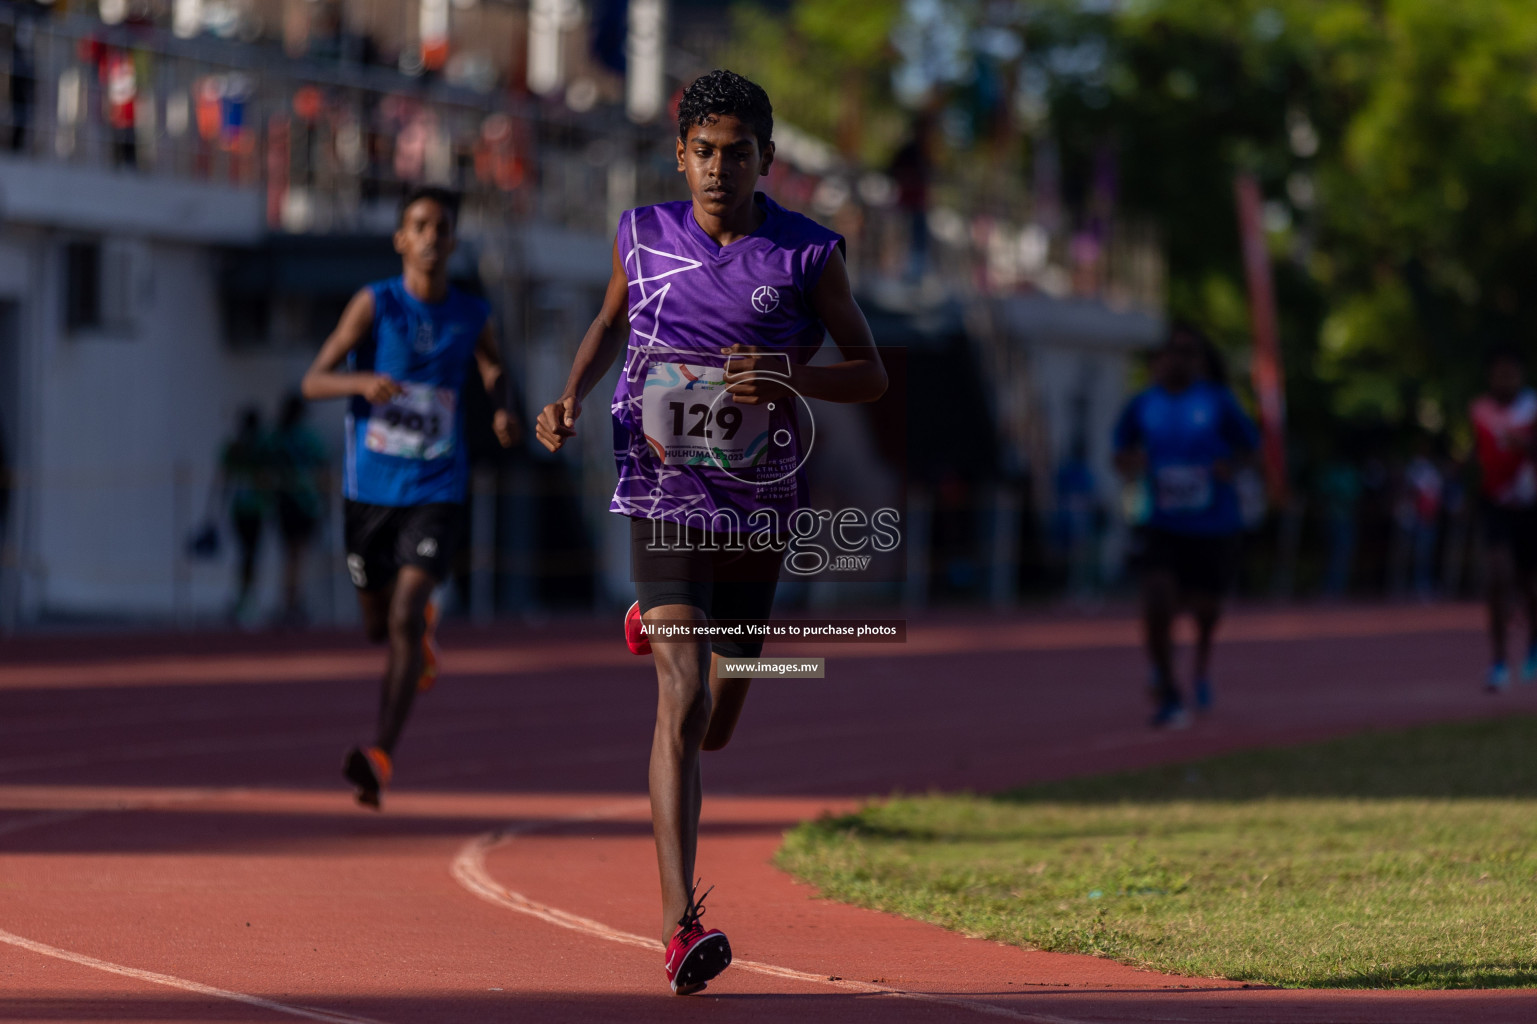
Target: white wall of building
column 119, row 428
column 1080, row 358
column 126, row 427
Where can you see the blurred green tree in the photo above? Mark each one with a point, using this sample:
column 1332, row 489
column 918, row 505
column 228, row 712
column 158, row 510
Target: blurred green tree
column 1392, row 139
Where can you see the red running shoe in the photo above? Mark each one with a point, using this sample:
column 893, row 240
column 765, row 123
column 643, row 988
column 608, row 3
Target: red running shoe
column 694, row 955
column 634, row 635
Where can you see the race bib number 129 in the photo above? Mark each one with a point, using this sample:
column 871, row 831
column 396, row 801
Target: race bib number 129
column 690, row 420
column 418, row 423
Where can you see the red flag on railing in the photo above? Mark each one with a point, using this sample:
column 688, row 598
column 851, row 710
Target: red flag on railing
column 1269, row 383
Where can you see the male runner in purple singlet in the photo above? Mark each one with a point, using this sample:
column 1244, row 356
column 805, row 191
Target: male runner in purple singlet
column 723, row 298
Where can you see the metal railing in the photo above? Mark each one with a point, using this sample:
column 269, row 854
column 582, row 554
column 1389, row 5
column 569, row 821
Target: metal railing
column 327, row 142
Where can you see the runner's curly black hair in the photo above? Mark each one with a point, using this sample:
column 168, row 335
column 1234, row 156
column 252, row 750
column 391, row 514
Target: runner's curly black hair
column 726, row 93
column 443, row 197
column 1503, row 352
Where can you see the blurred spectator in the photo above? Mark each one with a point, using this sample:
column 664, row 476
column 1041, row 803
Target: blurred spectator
column 1423, row 481
column 298, row 461
column 22, row 81
column 1079, row 519
column 1457, row 526
column 118, row 76
column 325, row 33
column 1378, row 526
column 911, row 168
column 243, row 483
column 5, row 498
column 1340, row 486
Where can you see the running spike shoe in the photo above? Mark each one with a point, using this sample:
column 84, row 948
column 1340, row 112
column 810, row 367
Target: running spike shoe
column 1203, row 694
column 695, row 955
column 369, row 769
column 1171, row 715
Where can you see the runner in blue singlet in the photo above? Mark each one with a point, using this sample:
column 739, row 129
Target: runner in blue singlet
column 408, row 343
column 1185, row 435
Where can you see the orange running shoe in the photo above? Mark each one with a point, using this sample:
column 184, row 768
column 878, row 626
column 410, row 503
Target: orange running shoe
column 429, row 675
column 369, row 769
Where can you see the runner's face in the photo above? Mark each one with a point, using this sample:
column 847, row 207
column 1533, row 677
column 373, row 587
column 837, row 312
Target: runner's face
column 1505, row 379
column 425, row 237
column 722, row 164
column 1180, row 364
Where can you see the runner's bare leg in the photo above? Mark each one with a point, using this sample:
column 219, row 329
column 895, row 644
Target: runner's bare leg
column 727, row 696
column 1208, row 612
column 1501, row 571
column 1159, row 603
column 682, row 719
column 403, row 666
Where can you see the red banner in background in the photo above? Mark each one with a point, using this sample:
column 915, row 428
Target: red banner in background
column 1269, row 382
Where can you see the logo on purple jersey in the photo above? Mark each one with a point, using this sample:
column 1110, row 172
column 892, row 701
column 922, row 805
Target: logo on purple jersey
column 765, row 299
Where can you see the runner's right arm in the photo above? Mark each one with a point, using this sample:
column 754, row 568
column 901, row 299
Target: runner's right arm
column 601, row 345
column 322, row 380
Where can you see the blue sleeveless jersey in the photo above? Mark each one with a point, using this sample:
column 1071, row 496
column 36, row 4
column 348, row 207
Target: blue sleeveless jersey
column 1184, row 435
column 410, row 450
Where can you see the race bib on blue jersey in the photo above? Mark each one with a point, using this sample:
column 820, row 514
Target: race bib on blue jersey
column 690, row 419
column 418, row 423
column 1182, row 488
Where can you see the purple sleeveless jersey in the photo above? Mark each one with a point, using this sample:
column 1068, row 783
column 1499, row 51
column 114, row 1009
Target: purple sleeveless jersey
column 685, row 450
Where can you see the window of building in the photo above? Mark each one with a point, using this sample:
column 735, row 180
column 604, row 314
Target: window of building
column 101, row 285
column 82, row 285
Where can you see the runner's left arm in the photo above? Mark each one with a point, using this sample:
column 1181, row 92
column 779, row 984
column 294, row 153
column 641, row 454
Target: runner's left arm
column 859, row 378
column 489, row 361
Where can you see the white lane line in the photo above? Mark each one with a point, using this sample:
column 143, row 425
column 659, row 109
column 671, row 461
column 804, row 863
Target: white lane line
column 43, row 818
column 39, row 820
column 469, row 870
column 170, row 981
column 195, row 987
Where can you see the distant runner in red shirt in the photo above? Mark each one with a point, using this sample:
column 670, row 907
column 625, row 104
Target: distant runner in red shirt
column 1503, row 427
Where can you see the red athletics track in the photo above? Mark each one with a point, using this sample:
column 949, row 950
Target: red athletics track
column 175, row 844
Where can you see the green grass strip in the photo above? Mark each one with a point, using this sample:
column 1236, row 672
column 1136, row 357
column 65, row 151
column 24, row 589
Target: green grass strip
column 1389, row 860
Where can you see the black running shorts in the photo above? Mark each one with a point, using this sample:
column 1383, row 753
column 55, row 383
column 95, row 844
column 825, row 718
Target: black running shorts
column 381, row 539
column 1200, row 563
column 679, row 568
column 1513, row 528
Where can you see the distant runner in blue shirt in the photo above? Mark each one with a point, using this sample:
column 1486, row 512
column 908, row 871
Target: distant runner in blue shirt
column 1185, row 437
column 408, row 343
